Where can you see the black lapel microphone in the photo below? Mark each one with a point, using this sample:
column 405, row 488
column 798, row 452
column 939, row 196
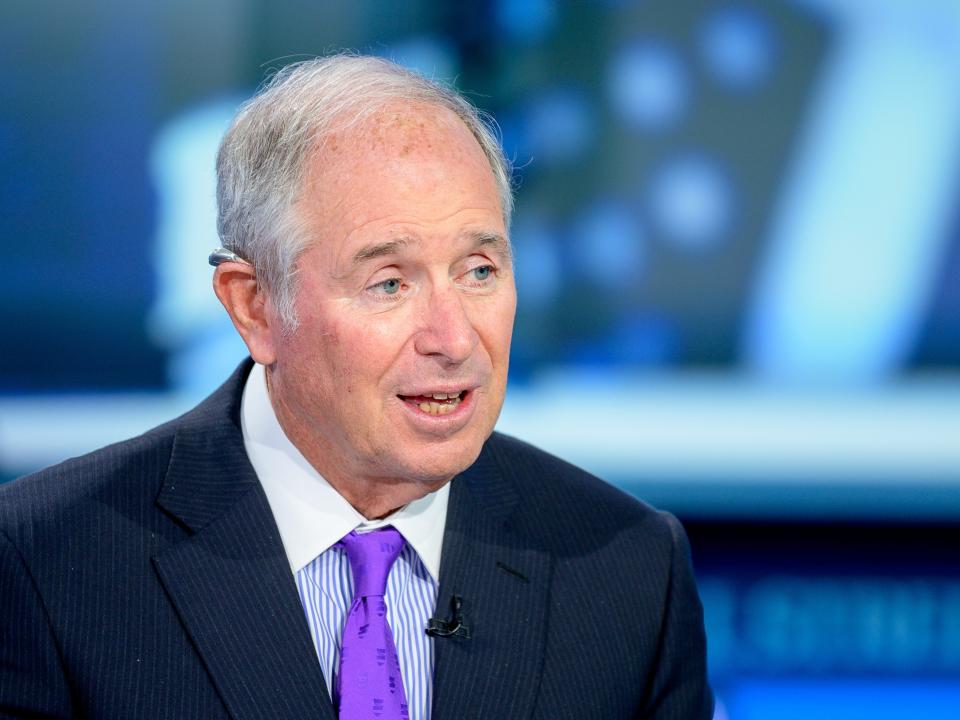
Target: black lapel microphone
column 450, row 628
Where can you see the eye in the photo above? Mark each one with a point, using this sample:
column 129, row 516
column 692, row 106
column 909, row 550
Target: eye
column 483, row 277
column 482, row 273
column 480, row 276
column 390, row 286
column 389, row 291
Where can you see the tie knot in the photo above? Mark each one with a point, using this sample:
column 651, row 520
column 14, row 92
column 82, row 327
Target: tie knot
column 371, row 556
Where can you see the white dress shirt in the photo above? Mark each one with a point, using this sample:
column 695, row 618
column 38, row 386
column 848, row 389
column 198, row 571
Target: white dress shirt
column 312, row 516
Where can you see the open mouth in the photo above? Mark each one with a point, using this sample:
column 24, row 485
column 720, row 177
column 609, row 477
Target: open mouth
column 435, row 403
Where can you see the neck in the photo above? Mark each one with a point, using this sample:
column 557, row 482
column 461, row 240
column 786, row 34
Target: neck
column 374, row 497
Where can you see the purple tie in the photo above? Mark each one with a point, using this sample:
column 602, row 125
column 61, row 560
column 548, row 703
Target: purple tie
column 369, row 684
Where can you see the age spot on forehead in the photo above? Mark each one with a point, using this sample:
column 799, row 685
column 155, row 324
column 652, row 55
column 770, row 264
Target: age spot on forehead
column 413, row 127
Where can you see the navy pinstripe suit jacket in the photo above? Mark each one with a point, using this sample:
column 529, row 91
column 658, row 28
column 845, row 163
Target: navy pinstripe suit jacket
column 148, row 580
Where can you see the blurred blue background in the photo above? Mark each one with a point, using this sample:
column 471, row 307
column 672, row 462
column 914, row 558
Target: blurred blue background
column 738, row 248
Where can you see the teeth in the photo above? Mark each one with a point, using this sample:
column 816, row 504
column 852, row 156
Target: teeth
column 440, row 396
column 435, row 408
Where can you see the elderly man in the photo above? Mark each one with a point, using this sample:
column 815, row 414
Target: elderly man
column 337, row 531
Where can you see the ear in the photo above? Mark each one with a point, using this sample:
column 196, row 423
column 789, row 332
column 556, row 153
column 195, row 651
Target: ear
column 249, row 307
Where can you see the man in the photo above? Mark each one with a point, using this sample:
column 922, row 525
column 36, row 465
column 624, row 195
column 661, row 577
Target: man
column 237, row 561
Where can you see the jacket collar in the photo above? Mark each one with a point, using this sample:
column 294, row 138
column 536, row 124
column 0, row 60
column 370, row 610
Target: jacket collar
column 503, row 579
column 209, row 470
column 229, row 580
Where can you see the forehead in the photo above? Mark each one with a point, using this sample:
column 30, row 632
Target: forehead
column 402, row 126
column 407, row 162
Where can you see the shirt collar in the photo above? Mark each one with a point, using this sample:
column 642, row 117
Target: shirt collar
column 310, row 514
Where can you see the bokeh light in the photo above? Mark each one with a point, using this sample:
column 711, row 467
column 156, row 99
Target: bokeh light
column 557, row 125
column 536, row 257
column 738, row 46
column 692, row 202
column 607, row 245
column 648, row 84
column 525, row 20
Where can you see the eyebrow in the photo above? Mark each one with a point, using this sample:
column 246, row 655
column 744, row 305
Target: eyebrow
column 385, row 248
column 390, row 247
column 497, row 241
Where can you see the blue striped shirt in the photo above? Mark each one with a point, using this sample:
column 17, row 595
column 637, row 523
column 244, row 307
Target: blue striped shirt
column 326, row 591
column 312, row 516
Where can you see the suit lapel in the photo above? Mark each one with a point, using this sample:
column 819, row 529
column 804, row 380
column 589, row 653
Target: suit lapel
column 504, row 584
column 229, row 581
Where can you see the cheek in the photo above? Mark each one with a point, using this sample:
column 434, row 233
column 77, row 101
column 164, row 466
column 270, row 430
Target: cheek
column 498, row 330
column 363, row 355
column 311, row 356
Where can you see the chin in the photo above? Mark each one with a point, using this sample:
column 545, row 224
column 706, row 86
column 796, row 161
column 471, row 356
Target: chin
column 435, row 464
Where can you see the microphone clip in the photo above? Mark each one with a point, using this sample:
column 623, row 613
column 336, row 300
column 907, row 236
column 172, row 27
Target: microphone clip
column 453, row 628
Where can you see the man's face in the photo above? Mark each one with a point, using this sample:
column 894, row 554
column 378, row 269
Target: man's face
column 397, row 370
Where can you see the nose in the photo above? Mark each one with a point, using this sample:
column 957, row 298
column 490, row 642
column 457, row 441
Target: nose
column 447, row 331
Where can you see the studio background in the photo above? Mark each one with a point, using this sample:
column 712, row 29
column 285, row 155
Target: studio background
column 737, row 242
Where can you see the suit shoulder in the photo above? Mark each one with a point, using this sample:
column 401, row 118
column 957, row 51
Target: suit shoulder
column 546, row 480
column 573, row 514
column 131, row 467
column 126, row 476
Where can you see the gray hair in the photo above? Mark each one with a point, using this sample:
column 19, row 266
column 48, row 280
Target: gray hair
column 262, row 160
